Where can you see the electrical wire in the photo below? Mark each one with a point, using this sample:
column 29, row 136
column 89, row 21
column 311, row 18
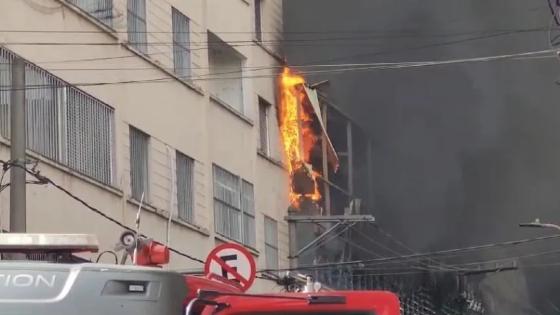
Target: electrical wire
column 45, row 179
column 423, row 255
column 373, row 66
column 403, row 245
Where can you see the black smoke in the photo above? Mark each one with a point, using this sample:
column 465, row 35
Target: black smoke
column 464, row 152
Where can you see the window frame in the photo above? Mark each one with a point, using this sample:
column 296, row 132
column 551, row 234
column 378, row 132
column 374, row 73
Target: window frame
column 94, row 159
column 266, row 107
column 258, row 20
column 189, row 182
column 239, row 182
column 140, row 19
column 182, row 49
column 146, row 181
column 106, row 20
column 268, row 244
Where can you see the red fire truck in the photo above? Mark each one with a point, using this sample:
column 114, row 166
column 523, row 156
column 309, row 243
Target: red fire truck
column 52, row 280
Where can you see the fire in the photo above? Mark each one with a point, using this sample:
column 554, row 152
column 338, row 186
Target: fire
column 296, row 133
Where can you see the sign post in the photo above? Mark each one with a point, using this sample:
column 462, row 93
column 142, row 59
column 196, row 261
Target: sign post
column 232, row 263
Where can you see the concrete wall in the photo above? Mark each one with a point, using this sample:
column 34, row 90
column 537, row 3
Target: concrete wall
column 177, row 115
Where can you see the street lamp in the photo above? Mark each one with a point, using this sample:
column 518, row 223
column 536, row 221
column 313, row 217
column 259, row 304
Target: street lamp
column 537, row 224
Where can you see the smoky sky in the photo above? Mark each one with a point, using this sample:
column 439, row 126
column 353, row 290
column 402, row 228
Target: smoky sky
column 464, row 152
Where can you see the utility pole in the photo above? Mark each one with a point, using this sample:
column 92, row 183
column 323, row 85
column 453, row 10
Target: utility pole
column 17, row 138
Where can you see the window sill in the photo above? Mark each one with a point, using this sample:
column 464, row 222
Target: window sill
column 113, row 33
column 165, row 215
column 270, row 159
column 269, row 51
column 230, row 109
column 65, row 169
column 156, row 64
column 226, row 239
column 106, row 28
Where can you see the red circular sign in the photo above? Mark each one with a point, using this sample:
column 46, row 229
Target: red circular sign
column 232, row 263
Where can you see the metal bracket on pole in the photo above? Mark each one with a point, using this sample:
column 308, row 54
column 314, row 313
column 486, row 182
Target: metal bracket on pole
column 329, row 218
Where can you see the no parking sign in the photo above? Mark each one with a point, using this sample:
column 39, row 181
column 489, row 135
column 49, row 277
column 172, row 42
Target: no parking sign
column 231, row 262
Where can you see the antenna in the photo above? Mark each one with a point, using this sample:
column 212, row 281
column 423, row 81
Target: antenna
column 137, row 229
column 171, row 198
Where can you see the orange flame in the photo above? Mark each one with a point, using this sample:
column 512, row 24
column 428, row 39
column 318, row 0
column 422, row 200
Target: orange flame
column 296, row 133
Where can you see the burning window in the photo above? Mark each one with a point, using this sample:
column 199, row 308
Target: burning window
column 302, row 132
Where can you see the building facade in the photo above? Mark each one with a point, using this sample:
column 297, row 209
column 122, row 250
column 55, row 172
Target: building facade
column 169, row 103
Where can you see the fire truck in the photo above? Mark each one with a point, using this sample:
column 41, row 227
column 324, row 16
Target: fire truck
column 43, row 274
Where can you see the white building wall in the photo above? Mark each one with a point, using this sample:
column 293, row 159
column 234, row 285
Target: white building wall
column 177, row 116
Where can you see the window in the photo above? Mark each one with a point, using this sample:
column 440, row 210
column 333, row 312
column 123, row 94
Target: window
column 136, row 23
column 234, row 212
column 100, row 9
column 264, row 109
column 63, row 124
column 185, row 191
column 258, row 20
column 181, row 45
column 139, row 176
column 226, row 64
column 248, row 209
column 271, row 243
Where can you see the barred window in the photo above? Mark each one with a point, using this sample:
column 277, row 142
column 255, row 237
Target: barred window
column 264, row 109
column 185, row 189
column 258, row 20
column 181, row 45
column 139, row 170
column 63, row 123
column 100, row 9
column 271, row 243
column 136, row 24
column 248, row 209
column 234, row 207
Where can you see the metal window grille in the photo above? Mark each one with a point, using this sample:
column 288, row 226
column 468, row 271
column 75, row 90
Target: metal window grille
column 185, row 189
column 227, row 204
column 271, row 243
column 258, row 20
column 5, row 83
column 234, row 209
column 181, row 44
column 89, row 133
column 100, row 9
column 136, row 24
column 139, row 171
column 63, row 123
column 248, row 210
column 264, row 108
column 42, row 112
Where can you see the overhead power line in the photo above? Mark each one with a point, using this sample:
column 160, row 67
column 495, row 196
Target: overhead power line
column 462, row 250
column 375, row 33
column 46, row 180
column 364, row 67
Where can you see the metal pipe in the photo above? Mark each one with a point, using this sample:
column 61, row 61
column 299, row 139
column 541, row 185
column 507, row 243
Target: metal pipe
column 18, row 216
